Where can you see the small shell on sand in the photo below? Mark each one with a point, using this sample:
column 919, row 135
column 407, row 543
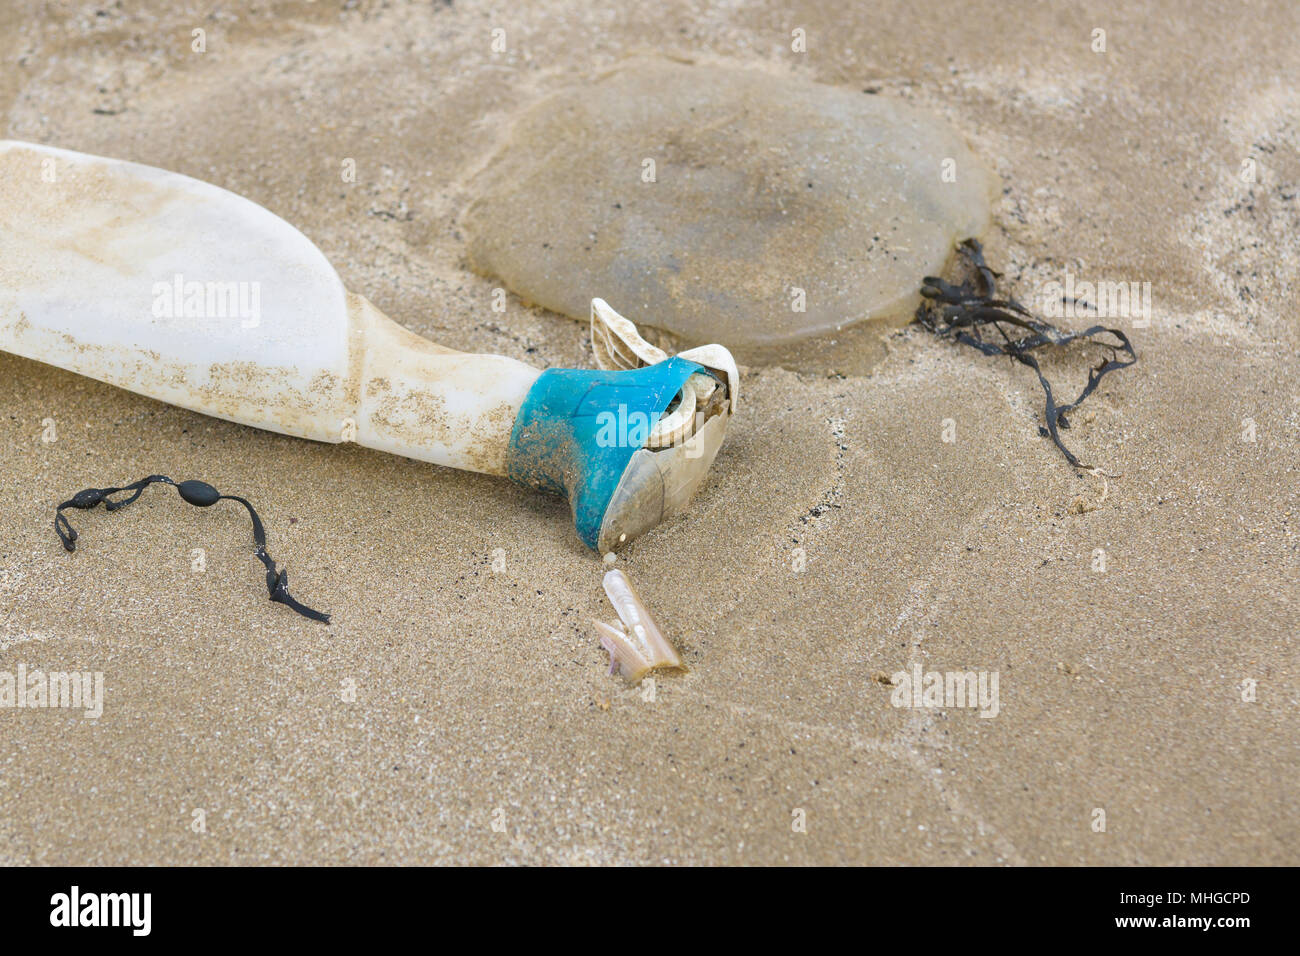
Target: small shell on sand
column 716, row 203
column 643, row 648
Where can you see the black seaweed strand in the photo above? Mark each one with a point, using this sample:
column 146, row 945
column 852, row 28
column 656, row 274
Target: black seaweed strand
column 963, row 310
column 202, row 495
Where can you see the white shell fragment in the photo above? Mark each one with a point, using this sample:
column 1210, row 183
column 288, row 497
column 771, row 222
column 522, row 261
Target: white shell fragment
column 725, row 204
column 643, row 648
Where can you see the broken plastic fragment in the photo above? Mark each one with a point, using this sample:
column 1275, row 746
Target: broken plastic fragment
column 310, row 359
column 643, row 648
column 617, row 344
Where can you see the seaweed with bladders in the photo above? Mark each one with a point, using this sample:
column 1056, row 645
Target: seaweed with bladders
column 967, row 310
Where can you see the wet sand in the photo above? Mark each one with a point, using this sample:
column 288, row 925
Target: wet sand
column 482, row 697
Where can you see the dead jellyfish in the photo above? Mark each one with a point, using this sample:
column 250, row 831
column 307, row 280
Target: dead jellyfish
column 726, row 205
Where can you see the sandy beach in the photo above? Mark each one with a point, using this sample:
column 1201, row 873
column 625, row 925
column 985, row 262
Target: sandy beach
column 458, row 710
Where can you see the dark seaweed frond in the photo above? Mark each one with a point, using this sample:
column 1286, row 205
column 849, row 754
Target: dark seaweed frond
column 964, row 312
column 198, row 493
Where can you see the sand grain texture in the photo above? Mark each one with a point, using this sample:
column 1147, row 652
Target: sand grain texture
column 479, row 691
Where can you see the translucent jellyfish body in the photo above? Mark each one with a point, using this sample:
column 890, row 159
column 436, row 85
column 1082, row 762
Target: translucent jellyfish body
column 724, row 204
